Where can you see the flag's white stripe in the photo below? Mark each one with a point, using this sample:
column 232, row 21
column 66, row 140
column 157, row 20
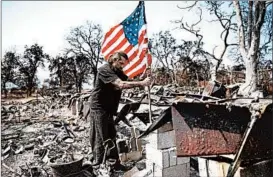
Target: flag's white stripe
column 141, row 47
column 144, row 62
column 131, row 52
column 132, row 63
column 112, row 35
column 127, row 44
column 117, row 42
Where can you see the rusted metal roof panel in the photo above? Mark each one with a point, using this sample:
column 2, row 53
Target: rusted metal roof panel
column 211, row 129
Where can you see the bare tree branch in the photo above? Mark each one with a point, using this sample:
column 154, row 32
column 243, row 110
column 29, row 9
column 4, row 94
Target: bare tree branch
column 268, row 3
column 188, row 7
column 260, row 6
column 191, row 28
column 213, row 51
column 86, row 41
column 200, row 18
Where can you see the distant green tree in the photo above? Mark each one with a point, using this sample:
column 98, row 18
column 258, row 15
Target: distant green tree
column 77, row 70
column 57, row 67
column 9, row 63
column 85, row 41
column 33, row 58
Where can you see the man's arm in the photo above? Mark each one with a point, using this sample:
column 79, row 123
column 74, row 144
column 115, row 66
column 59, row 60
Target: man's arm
column 119, row 84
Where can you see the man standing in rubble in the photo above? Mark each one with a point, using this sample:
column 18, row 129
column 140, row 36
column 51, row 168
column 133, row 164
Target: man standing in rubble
column 104, row 104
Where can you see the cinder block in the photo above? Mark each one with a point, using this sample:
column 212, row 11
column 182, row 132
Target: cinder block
column 166, row 159
column 174, row 160
column 182, row 170
column 173, row 157
column 158, row 157
column 182, row 160
column 166, row 140
column 161, row 141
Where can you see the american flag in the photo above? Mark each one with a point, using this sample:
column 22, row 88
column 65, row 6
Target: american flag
column 130, row 36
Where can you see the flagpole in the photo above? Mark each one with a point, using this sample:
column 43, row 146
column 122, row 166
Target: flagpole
column 150, row 103
column 150, row 74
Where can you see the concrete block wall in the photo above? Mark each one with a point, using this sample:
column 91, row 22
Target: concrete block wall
column 162, row 138
column 182, row 170
column 161, row 154
column 165, row 158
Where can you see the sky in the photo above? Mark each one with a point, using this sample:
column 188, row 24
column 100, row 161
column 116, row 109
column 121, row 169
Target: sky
column 48, row 22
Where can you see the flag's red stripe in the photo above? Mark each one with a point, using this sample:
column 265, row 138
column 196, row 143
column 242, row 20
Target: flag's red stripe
column 137, row 72
column 134, row 55
column 128, row 49
column 141, row 37
column 136, row 52
column 119, row 46
column 141, row 57
column 142, row 69
column 109, row 33
column 113, row 40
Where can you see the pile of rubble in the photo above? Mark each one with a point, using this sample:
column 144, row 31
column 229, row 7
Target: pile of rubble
column 38, row 132
column 40, row 135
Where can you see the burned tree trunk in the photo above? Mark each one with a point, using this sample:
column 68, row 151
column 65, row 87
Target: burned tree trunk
column 251, row 75
column 250, row 53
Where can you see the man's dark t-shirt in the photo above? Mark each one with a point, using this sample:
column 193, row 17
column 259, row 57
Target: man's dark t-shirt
column 104, row 95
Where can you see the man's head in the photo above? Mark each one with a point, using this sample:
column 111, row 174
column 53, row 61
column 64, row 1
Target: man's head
column 118, row 60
